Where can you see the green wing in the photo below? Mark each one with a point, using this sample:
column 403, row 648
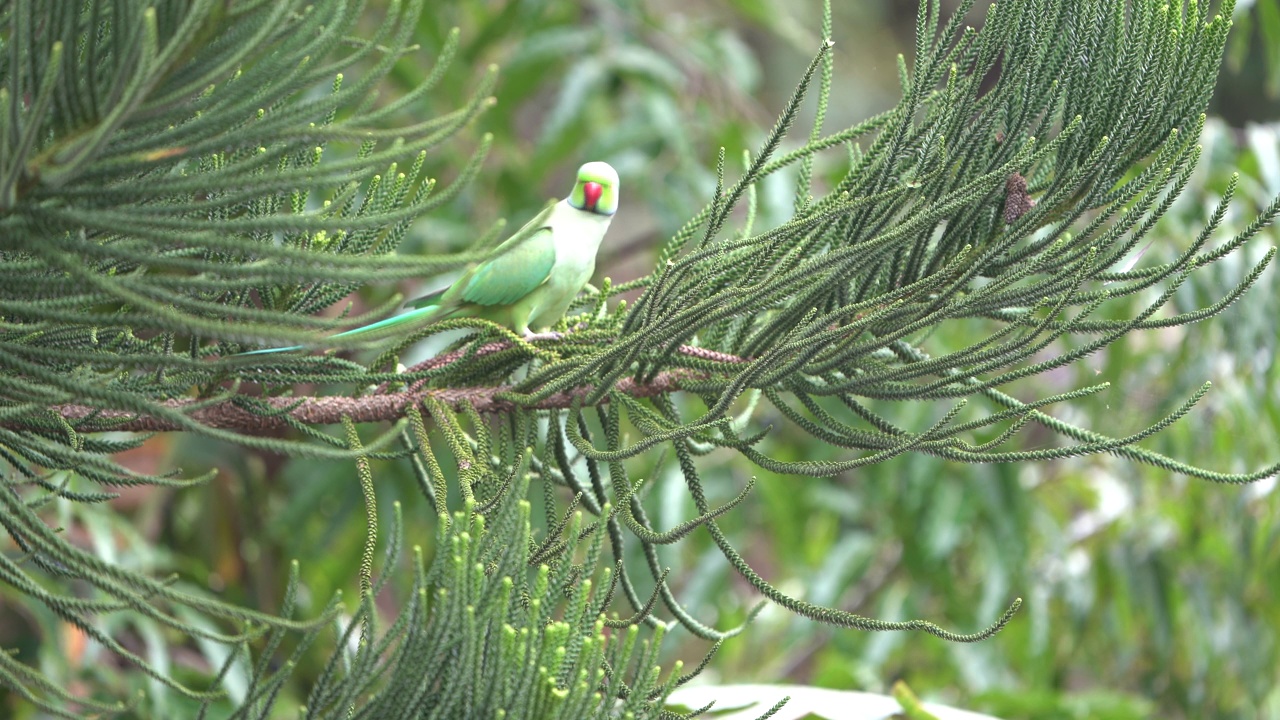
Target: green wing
column 521, row 263
column 512, row 272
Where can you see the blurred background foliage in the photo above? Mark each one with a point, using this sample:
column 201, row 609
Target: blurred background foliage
column 1148, row 595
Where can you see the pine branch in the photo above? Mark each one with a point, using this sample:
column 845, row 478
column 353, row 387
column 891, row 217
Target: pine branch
column 281, row 413
column 275, row 414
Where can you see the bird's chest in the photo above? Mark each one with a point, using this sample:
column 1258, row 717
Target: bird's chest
column 570, row 272
column 577, row 239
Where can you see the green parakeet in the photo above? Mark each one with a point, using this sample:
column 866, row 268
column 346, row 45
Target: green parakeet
column 532, row 277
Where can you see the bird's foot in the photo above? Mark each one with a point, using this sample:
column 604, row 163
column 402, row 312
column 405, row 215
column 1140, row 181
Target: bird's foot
column 531, row 336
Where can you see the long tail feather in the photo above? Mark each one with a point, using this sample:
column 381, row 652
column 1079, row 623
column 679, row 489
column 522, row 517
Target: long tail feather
column 412, row 316
column 266, row 351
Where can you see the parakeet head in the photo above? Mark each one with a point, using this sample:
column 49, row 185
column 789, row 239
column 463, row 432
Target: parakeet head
column 596, row 189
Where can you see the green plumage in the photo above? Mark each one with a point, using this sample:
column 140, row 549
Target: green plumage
column 531, row 279
column 517, row 266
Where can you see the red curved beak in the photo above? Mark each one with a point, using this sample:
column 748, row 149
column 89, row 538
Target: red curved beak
column 591, row 192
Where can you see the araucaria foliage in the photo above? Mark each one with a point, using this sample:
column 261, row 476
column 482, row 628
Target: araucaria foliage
column 181, row 180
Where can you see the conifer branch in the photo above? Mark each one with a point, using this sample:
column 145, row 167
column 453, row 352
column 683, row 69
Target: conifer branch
column 383, row 405
column 330, row 410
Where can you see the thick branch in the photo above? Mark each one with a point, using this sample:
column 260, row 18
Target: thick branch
column 331, row 410
column 381, row 405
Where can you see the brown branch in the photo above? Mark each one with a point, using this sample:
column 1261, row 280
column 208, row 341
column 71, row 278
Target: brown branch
column 380, row 405
column 330, row 410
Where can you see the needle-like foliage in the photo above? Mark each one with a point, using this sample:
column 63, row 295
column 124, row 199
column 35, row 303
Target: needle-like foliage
column 497, row 625
column 183, row 180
